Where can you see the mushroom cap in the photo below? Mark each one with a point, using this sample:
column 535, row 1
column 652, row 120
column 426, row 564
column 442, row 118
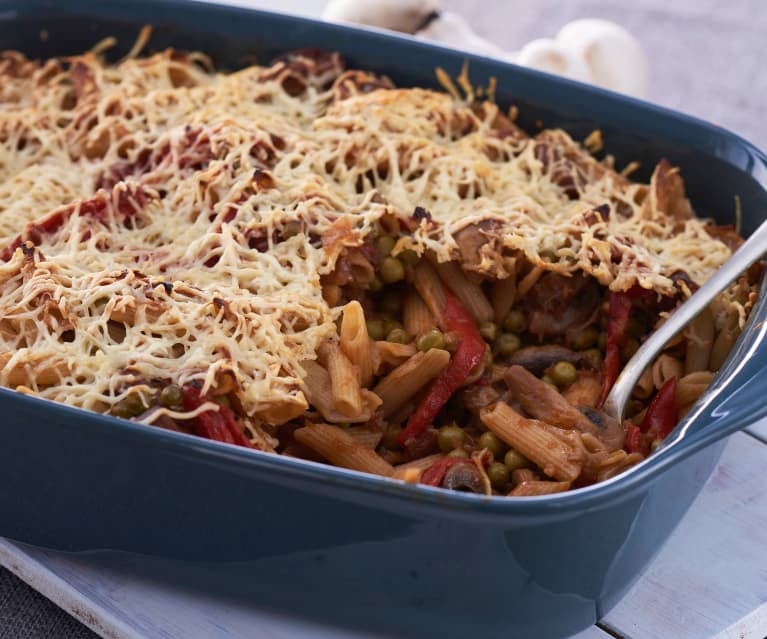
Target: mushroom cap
column 400, row 15
column 551, row 56
column 615, row 58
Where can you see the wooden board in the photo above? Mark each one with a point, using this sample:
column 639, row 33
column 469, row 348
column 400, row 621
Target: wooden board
column 713, row 571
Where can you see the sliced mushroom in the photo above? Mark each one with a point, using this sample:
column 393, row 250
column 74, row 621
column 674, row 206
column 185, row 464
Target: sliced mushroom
column 464, row 477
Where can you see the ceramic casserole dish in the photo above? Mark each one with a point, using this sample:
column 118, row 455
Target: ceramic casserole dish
column 438, row 563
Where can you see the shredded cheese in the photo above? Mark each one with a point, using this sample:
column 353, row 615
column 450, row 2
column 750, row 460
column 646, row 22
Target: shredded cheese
column 163, row 222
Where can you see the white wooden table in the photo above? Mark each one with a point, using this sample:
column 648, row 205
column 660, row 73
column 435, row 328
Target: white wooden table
column 709, row 581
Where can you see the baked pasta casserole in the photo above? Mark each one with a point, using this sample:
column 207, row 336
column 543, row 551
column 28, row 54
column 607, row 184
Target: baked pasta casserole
column 306, row 260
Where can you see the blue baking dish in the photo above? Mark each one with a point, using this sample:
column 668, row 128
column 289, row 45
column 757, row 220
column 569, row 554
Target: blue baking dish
column 355, row 549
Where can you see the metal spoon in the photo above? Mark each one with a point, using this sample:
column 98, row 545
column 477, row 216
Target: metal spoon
column 749, row 252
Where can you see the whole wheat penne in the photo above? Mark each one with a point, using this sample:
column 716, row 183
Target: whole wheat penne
column 723, row 343
column 431, row 290
column 355, row 342
column 543, row 402
column 319, row 392
column 690, row 387
column 645, row 385
column 389, row 354
column 339, row 448
column 409, row 475
column 468, row 292
column 521, row 475
column 530, row 437
column 699, row 335
column 368, row 436
column 619, row 466
column 416, row 316
column 664, row 368
column 343, row 380
column 407, row 379
column 533, row 488
column 422, row 463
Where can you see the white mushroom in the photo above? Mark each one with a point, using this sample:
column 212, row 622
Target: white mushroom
column 399, row 15
column 613, row 56
column 452, row 30
column 550, row 56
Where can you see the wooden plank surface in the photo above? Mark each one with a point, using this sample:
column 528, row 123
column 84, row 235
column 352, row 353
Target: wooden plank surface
column 713, row 571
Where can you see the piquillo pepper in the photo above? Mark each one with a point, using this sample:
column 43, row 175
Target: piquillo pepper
column 219, row 425
column 469, row 353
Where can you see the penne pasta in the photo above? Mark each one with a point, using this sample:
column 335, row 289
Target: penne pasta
column 690, row 387
column 345, row 388
column 338, row 447
column 416, row 316
column 533, row 488
column 387, row 355
column 355, row 342
column 699, row 336
column 664, row 368
column 531, row 438
column 319, row 392
column 407, row 379
column 429, row 287
column 723, row 342
column 469, row 293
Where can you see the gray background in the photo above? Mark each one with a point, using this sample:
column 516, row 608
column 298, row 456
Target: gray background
column 706, row 58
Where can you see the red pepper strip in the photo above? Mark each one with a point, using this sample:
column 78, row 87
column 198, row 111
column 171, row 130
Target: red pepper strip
column 470, row 349
column 634, row 438
column 220, row 425
column 620, row 313
column 660, row 418
column 435, row 473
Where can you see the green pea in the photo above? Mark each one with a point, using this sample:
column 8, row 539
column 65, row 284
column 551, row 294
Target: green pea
column 391, row 270
column 460, row 453
column 586, row 338
column 491, row 441
column 389, row 323
column 629, row 348
column 548, row 379
column 129, row 406
column 390, row 436
column 409, row 257
column 508, row 343
column 515, row 322
column 498, row 474
column 489, row 331
column 593, row 354
column 563, row 373
column 399, row 336
column 375, row 284
column 433, row 339
column 223, row 400
column 376, row 329
column 390, row 302
column 450, row 437
column 385, row 244
column 513, row 460
column 171, row 396
column 602, row 341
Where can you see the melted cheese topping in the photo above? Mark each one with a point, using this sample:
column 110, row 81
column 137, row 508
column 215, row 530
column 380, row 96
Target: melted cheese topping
column 165, row 223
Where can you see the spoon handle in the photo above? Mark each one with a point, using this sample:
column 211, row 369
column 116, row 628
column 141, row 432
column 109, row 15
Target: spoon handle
column 748, row 253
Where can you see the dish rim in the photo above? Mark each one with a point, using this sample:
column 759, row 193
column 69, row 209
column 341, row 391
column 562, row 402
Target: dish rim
column 200, row 449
